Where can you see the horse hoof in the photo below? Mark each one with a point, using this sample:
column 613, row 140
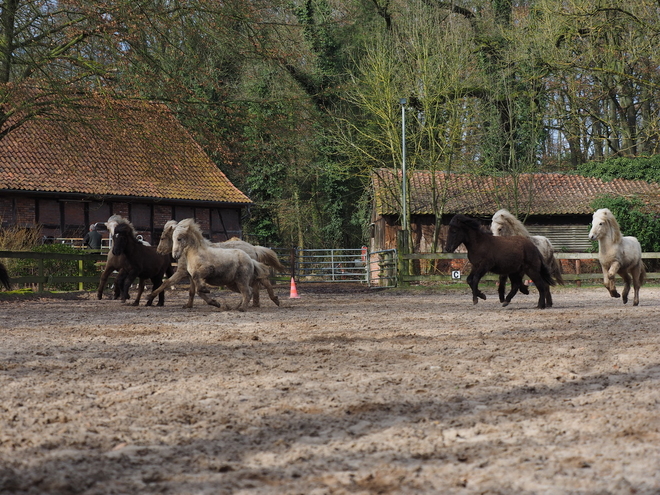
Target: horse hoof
column 524, row 289
column 615, row 294
column 277, row 301
column 505, row 304
column 482, row 295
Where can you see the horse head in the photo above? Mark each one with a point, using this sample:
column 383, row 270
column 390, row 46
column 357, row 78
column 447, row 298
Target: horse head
column 122, row 237
column 186, row 234
column 461, row 230
column 165, row 243
column 604, row 225
column 505, row 223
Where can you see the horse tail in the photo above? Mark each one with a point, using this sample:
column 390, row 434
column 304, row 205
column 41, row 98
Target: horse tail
column 261, row 271
column 4, row 277
column 546, row 274
column 555, row 271
column 642, row 272
column 269, row 257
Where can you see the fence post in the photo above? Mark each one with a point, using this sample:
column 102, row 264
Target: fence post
column 81, row 273
column 40, row 286
column 293, row 262
column 402, row 247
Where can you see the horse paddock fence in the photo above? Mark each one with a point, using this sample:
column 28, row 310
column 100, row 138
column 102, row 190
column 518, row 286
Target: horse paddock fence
column 377, row 269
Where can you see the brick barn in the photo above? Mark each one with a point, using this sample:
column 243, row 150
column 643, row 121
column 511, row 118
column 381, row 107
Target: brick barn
column 61, row 174
column 554, row 205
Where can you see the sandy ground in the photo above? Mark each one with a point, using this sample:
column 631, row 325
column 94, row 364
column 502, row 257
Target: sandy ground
column 333, row 393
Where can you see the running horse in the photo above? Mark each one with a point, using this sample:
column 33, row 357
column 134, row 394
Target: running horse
column 505, row 223
column 617, row 254
column 142, row 262
column 513, row 256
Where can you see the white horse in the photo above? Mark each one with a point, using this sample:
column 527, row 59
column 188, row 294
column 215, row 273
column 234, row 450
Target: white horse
column 259, row 253
column 212, row 265
column 617, row 254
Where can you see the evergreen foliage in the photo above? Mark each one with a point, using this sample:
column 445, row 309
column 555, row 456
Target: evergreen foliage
column 639, row 168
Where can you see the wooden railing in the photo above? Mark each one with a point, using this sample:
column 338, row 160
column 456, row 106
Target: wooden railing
column 405, row 276
column 44, row 278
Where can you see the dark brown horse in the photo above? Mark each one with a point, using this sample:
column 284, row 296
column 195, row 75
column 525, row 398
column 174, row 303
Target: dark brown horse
column 514, row 256
column 4, row 277
column 143, row 262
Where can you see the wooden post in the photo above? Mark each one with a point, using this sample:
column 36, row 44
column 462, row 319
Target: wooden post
column 578, row 267
column 41, row 275
column 403, row 247
column 293, row 262
column 81, row 274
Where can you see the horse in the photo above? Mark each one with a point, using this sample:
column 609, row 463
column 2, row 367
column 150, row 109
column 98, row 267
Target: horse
column 264, row 255
column 4, row 277
column 617, row 254
column 142, row 261
column 116, row 263
column 504, row 223
column 212, row 265
column 514, row 256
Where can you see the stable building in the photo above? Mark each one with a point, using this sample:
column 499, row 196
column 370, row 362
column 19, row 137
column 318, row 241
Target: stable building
column 134, row 159
column 557, row 206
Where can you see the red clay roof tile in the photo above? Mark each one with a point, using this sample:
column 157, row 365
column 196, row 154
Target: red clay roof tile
column 537, row 194
column 117, row 149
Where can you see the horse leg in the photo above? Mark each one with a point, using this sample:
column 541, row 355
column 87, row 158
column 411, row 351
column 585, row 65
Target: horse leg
column 626, row 286
column 203, row 292
column 269, row 288
column 126, row 284
column 156, row 291
column 516, row 283
column 139, row 293
column 104, row 280
column 501, row 286
column 255, row 294
column 637, row 277
column 246, row 292
column 608, row 281
column 191, row 294
column 473, row 281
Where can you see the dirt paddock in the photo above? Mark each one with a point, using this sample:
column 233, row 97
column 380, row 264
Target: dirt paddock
column 333, row 393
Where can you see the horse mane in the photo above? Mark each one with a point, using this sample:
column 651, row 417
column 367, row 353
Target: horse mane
column 470, row 223
column 115, row 220
column 168, row 228
column 193, row 229
column 511, row 224
column 607, row 216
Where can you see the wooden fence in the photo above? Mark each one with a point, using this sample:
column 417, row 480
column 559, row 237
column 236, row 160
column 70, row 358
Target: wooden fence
column 405, row 276
column 43, row 277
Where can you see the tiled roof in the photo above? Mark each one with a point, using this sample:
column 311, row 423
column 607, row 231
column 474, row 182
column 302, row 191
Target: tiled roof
column 113, row 149
column 536, row 194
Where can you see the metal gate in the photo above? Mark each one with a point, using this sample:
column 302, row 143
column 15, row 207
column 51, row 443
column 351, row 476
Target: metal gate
column 376, row 269
column 331, row 265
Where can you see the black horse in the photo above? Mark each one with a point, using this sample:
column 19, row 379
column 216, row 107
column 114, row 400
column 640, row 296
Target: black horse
column 4, row 277
column 143, row 262
column 514, row 256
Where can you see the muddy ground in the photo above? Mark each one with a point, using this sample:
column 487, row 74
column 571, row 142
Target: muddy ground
column 358, row 392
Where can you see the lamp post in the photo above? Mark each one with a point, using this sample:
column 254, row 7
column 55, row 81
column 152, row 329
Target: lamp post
column 404, row 192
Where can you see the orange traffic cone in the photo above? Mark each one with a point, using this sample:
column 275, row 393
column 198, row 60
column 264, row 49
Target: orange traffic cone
column 294, row 292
